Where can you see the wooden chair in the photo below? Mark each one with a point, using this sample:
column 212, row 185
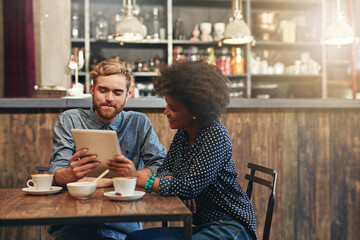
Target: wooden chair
column 41, row 169
column 269, row 184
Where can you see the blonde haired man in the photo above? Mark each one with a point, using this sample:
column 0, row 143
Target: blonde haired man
column 142, row 150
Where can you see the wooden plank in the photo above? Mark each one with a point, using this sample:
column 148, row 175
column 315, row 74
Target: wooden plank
column 288, row 177
column 322, row 175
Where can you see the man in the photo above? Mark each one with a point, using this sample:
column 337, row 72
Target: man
column 137, row 139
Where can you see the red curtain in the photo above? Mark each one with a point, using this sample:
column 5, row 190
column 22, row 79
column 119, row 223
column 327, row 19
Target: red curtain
column 19, row 47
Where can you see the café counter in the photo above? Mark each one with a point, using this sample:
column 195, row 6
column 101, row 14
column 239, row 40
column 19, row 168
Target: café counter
column 314, row 145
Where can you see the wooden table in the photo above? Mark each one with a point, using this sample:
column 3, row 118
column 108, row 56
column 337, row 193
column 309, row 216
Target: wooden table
column 17, row 208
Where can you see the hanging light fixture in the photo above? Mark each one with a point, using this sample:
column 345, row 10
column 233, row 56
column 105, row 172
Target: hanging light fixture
column 339, row 32
column 237, row 31
column 129, row 29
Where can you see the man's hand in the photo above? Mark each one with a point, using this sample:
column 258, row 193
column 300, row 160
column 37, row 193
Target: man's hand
column 125, row 167
column 190, row 204
column 81, row 164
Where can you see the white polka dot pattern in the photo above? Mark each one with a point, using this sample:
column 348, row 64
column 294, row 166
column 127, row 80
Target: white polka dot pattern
column 206, row 172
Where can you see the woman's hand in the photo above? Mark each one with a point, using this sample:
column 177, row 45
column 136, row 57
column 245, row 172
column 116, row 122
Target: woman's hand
column 125, row 167
column 190, row 204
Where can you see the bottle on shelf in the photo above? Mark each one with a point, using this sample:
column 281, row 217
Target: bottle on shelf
column 114, row 23
column 101, row 27
column 75, row 22
column 237, row 61
column 224, row 61
column 178, row 54
column 156, row 24
column 81, row 61
column 211, row 55
column 193, row 53
column 179, row 32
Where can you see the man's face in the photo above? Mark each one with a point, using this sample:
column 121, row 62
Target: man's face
column 109, row 97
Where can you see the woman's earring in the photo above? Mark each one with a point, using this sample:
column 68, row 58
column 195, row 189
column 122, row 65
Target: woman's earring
column 193, row 117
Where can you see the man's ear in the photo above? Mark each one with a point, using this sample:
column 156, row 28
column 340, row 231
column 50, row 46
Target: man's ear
column 128, row 94
column 92, row 89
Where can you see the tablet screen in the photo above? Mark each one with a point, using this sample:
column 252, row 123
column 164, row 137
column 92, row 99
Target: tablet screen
column 103, row 143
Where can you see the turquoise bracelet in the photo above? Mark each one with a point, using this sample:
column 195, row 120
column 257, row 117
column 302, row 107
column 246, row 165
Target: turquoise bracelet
column 149, row 183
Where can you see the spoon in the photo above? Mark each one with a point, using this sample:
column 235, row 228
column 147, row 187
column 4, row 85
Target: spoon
column 101, row 175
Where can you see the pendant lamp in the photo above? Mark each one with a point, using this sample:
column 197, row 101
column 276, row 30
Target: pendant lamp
column 339, row 32
column 237, row 31
column 129, row 29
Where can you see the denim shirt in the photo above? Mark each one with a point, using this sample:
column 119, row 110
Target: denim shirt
column 137, row 139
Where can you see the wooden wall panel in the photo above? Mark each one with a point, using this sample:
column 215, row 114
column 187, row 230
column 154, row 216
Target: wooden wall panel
column 315, row 151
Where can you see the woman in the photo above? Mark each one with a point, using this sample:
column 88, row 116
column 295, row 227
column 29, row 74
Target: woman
column 199, row 166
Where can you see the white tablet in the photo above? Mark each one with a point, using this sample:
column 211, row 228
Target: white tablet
column 103, row 143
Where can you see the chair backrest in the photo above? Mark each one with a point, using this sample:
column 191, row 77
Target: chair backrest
column 271, row 184
column 41, row 169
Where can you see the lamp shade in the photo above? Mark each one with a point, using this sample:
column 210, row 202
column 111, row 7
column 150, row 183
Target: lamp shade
column 339, row 32
column 237, row 32
column 129, row 29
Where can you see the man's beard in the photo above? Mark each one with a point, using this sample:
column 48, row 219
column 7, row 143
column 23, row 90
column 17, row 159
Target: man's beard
column 107, row 114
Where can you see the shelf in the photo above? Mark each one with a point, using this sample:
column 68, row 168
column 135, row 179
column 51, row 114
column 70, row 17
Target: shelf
column 196, row 43
column 78, row 40
column 339, row 83
column 236, row 75
column 341, row 62
column 145, row 74
column 145, row 41
column 287, row 75
column 293, row 5
column 198, row 11
column 278, row 44
column 80, row 74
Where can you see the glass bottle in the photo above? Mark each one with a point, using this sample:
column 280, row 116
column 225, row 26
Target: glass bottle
column 156, row 24
column 75, row 22
column 101, row 27
column 224, row 61
column 211, row 55
column 114, row 23
column 237, row 61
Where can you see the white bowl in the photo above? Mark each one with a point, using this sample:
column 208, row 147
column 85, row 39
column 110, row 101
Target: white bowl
column 81, row 190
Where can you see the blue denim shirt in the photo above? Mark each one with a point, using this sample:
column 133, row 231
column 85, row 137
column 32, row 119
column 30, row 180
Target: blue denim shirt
column 138, row 142
column 137, row 139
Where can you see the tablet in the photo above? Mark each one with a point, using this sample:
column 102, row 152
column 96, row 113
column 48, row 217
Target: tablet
column 103, row 143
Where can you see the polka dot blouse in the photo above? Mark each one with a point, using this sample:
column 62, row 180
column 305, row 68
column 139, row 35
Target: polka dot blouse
column 206, row 172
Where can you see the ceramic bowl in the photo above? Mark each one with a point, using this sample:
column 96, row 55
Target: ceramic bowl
column 81, row 190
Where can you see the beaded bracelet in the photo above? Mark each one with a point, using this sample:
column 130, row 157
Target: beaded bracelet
column 149, row 183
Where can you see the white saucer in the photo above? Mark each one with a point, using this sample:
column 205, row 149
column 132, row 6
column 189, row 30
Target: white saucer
column 112, row 196
column 32, row 191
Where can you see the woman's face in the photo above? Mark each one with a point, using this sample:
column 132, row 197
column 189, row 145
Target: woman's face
column 178, row 115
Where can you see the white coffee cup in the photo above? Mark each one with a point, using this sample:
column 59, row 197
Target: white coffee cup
column 124, row 185
column 41, row 182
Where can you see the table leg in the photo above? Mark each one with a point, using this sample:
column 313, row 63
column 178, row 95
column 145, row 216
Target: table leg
column 187, row 228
